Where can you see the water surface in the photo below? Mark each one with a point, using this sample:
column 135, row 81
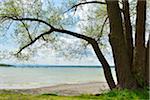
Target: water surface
column 31, row 77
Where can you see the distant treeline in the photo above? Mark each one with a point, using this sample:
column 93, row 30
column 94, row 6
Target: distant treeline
column 5, row 65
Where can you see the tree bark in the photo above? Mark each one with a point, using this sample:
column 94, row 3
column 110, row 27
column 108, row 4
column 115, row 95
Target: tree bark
column 106, row 67
column 119, row 47
column 128, row 30
column 147, row 69
column 140, row 50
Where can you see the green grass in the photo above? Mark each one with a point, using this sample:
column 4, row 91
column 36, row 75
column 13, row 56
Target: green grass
column 112, row 95
column 126, row 95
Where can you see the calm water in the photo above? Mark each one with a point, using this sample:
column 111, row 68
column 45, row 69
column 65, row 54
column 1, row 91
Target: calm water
column 30, row 77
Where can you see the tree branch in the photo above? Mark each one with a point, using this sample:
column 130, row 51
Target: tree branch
column 83, row 3
column 86, row 38
column 29, row 19
column 38, row 37
column 77, row 35
column 53, row 29
column 102, row 27
column 27, row 30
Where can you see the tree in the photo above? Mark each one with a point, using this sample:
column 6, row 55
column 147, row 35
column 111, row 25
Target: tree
column 130, row 60
column 119, row 48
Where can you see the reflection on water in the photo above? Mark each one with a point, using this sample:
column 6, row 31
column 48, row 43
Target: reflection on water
column 15, row 77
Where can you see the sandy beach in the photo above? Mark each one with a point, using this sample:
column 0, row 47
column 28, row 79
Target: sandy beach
column 64, row 89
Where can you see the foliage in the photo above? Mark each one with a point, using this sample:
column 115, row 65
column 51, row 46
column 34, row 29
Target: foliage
column 25, row 31
column 112, row 95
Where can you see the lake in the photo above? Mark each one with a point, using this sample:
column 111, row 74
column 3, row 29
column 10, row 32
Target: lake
column 33, row 77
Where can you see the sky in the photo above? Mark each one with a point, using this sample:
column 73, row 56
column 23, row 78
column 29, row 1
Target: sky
column 48, row 55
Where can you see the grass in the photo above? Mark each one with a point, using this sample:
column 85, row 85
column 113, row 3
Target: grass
column 126, row 95
column 112, row 95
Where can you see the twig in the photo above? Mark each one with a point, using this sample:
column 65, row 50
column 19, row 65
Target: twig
column 83, row 3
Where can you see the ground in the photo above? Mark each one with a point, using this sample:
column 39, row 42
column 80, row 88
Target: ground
column 111, row 95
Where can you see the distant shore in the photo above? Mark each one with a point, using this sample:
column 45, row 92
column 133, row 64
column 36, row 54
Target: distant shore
column 55, row 66
column 6, row 65
column 64, row 89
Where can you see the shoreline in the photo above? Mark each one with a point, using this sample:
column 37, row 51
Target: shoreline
column 64, row 89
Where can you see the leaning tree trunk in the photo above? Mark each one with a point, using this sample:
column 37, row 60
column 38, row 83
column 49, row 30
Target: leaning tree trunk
column 119, row 47
column 139, row 61
column 101, row 58
column 106, row 67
